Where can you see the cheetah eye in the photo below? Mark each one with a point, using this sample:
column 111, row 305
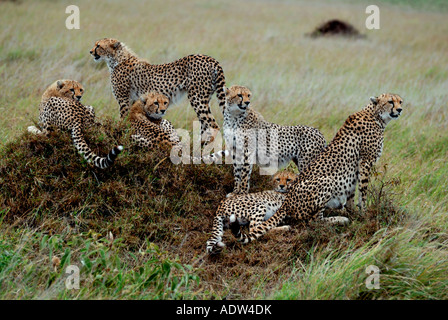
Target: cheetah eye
column 401, row 101
column 391, row 101
column 165, row 103
column 288, row 180
column 278, row 179
column 82, row 90
column 72, row 90
column 248, row 95
column 240, row 95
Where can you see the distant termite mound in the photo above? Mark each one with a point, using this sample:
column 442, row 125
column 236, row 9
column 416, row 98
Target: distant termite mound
column 335, row 28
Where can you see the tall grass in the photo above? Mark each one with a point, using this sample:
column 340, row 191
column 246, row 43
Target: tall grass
column 295, row 80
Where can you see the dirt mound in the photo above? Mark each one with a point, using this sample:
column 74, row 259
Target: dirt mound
column 336, row 28
column 144, row 198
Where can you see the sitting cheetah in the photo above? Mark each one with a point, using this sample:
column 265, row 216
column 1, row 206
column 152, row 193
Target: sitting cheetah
column 150, row 130
column 70, row 89
column 197, row 75
column 251, row 208
column 330, row 181
column 60, row 108
column 251, row 139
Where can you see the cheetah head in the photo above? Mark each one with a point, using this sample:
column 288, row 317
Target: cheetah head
column 105, row 49
column 154, row 104
column 283, row 180
column 388, row 106
column 238, row 98
column 66, row 89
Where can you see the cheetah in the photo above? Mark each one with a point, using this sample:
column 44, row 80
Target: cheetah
column 60, row 108
column 330, row 181
column 251, row 208
column 65, row 88
column 251, row 139
column 198, row 76
column 150, row 130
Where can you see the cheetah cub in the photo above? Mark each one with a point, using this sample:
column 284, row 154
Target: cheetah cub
column 60, row 108
column 151, row 130
column 251, row 139
column 251, row 209
column 69, row 89
column 196, row 76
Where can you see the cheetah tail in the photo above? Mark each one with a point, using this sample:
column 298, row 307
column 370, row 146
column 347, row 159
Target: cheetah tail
column 215, row 157
column 89, row 155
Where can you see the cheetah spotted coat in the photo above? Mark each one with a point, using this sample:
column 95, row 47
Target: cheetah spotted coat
column 330, row 181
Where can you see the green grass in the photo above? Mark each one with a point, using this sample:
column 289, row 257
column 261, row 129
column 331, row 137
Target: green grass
column 53, row 204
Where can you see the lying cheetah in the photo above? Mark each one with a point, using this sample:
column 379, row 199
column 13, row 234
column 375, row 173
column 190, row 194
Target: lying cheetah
column 251, row 139
column 60, row 108
column 197, row 75
column 330, row 181
column 151, row 130
column 69, row 89
column 251, row 208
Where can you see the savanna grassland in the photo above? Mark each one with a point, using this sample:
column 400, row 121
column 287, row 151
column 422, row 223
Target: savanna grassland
column 138, row 230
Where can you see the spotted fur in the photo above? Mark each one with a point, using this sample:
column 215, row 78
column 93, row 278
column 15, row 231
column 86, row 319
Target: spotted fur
column 151, row 130
column 251, row 209
column 198, row 76
column 330, row 181
column 61, row 109
column 248, row 136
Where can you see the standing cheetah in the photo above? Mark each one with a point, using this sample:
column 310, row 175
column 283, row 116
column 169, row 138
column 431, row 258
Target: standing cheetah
column 60, row 108
column 198, row 76
column 251, row 139
column 330, row 181
column 251, row 208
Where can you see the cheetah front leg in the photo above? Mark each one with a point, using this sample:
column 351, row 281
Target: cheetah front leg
column 46, row 130
column 122, row 93
column 242, row 168
column 235, row 226
column 350, row 204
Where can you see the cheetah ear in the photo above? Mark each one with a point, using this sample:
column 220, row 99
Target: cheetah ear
column 116, row 45
column 144, row 98
column 60, row 84
column 374, row 100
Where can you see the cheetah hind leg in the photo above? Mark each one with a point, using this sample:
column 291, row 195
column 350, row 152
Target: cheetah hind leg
column 336, row 220
column 333, row 220
column 215, row 245
column 326, row 186
column 235, row 227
